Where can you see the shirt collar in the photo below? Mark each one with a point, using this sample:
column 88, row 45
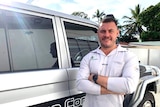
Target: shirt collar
column 118, row 49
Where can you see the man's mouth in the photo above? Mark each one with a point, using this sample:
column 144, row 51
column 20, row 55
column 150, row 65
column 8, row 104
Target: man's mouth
column 106, row 38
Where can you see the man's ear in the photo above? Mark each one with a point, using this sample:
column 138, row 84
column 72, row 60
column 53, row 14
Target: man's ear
column 118, row 32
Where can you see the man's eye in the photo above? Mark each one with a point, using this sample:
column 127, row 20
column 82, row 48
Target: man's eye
column 111, row 31
column 102, row 31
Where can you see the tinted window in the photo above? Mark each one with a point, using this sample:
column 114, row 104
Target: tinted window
column 4, row 61
column 81, row 40
column 31, row 42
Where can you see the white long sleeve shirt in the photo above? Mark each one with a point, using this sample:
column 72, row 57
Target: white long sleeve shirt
column 122, row 68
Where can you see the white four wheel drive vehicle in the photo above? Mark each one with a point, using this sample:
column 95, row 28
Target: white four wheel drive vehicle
column 149, row 85
column 40, row 55
column 148, row 90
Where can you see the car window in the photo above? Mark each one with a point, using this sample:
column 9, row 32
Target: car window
column 31, row 42
column 81, row 40
column 4, row 61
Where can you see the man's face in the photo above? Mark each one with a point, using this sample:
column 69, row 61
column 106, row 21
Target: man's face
column 107, row 34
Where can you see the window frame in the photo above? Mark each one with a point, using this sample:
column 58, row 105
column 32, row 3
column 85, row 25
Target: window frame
column 63, row 20
column 27, row 12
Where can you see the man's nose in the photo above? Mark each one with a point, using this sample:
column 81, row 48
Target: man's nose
column 106, row 33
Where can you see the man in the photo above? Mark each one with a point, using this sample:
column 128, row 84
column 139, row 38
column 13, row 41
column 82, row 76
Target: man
column 109, row 72
column 53, row 52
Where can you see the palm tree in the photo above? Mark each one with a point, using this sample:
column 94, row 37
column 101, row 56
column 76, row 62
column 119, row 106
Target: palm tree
column 99, row 15
column 133, row 24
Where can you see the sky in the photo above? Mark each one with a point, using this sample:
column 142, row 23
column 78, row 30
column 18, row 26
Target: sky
column 118, row 8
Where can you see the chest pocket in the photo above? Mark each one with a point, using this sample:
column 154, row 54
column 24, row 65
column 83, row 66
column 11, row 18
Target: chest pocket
column 95, row 65
column 116, row 67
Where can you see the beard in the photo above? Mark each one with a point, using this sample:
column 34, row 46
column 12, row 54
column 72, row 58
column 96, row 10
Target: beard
column 107, row 42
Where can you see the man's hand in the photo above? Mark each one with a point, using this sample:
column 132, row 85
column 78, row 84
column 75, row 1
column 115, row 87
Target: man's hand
column 102, row 80
column 91, row 77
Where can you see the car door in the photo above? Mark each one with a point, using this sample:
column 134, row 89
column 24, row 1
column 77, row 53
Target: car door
column 33, row 74
column 81, row 39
